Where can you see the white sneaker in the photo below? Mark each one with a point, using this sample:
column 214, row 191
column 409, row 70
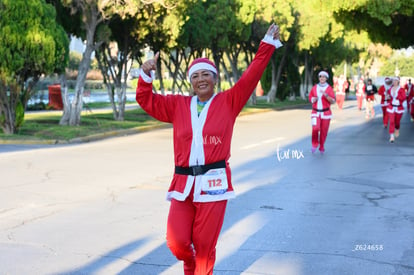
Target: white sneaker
column 392, row 138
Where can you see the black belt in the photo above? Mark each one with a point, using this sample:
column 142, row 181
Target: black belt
column 395, row 105
column 321, row 110
column 199, row 169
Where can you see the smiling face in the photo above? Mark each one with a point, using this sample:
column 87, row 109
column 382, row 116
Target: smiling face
column 203, row 82
column 322, row 79
column 395, row 82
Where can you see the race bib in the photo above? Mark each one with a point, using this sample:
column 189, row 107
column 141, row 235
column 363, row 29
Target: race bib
column 214, row 181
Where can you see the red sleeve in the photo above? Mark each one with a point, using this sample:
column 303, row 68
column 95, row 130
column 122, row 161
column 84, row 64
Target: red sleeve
column 158, row 106
column 330, row 92
column 401, row 95
column 312, row 93
column 240, row 93
column 381, row 90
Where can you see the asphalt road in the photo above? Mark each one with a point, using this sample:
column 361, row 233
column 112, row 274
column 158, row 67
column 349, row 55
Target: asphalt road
column 100, row 208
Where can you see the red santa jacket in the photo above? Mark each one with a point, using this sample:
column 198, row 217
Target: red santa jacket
column 408, row 88
column 322, row 107
column 206, row 138
column 410, row 99
column 395, row 104
column 410, row 92
column 382, row 91
column 360, row 90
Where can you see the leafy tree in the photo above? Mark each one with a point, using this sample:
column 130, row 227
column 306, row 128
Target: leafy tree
column 31, row 43
column 398, row 61
column 92, row 14
column 115, row 58
column 387, row 22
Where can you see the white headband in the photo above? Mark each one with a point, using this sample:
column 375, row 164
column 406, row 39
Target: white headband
column 201, row 66
column 325, row 74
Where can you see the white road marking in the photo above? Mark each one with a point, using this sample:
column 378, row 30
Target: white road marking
column 253, row 145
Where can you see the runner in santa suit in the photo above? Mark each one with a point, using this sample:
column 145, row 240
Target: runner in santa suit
column 340, row 92
column 410, row 99
column 408, row 87
column 410, row 102
column 395, row 107
column 383, row 92
column 321, row 96
column 370, row 91
column 203, row 128
column 360, row 92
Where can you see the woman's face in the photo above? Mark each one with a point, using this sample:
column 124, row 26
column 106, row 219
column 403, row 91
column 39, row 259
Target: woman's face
column 203, row 82
column 395, row 82
column 322, row 79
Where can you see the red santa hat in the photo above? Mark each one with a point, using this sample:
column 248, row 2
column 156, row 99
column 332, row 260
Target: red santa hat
column 201, row 64
column 323, row 73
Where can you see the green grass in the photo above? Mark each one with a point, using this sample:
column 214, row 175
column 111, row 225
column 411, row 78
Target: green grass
column 263, row 104
column 45, row 125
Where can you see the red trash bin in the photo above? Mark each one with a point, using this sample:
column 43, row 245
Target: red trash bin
column 55, row 97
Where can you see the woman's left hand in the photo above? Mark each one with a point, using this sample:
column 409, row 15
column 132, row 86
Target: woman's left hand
column 274, row 31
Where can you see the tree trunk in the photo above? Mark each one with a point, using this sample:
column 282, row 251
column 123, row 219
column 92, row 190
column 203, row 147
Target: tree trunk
column 8, row 102
column 65, row 100
column 271, row 96
column 77, row 102
column 92, row 19
column 304, row 87
column 159, row 75
column 217, row 57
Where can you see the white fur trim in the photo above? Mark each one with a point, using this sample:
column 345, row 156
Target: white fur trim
column 201, row 66
column 269, row 40
column 145, row 77
column 324, row 74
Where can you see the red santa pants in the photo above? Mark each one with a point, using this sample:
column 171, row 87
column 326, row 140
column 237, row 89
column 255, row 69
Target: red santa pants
column 360, row 100
column 412, row 110
column 384, row 116
column 192, row 232
column 394, row 119
column 319, row 133
column 340, row 98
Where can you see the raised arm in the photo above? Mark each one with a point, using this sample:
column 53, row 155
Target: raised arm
column 158, row 106
column 245, row 86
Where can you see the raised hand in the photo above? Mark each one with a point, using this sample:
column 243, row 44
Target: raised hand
column 150, row 65
column 274, row 31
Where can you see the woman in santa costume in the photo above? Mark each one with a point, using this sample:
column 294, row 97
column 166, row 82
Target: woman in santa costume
column 410, row 102
column 383, row 92
column 370, row 91
column 409, row 89
column 203, row 128
column 395, row 107
column 340, row 92
column 360, row 92
column 321, row 96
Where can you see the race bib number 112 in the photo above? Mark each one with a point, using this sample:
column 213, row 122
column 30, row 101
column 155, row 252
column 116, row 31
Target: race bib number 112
column 214, row 181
